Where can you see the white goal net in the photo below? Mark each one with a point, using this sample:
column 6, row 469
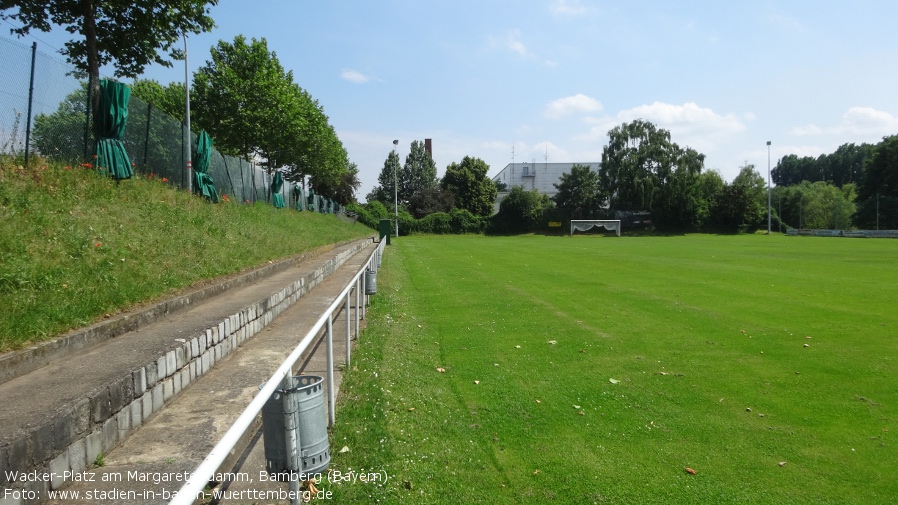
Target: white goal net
column 588, row 224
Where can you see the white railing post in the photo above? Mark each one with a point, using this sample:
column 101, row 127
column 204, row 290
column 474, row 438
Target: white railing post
column 193, row 487
column 348, row 330
column 331, row 416
column 357, row 285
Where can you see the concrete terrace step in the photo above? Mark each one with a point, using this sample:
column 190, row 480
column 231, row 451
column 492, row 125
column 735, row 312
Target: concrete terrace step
column 151, row 465
column 56, row 419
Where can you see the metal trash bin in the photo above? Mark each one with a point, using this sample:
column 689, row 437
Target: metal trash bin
column 307, row 401
column 370, row 282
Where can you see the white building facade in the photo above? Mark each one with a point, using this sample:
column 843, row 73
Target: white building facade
column 539, row 176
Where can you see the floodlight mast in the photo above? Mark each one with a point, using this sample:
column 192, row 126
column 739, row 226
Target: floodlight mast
column 396, row 188
column 768, row 188
column 187, row 150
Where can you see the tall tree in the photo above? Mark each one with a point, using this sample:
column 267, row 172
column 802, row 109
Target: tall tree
column 419, row 172
column 428, row 201
column 387, row 180
column 877, row 194
column 743, row 202
column 242, row 98
column 473, row 190
column 844, row 166
column 630, row 163
column 710, row 185
column 61, row 134
column 343, row 190
column 642, row 169
column 580, row 194
column 130, row 35
column 521, row 211
column 170, row 99
column 819, row 204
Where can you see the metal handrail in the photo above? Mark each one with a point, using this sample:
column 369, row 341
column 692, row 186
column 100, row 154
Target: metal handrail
column 203, row 473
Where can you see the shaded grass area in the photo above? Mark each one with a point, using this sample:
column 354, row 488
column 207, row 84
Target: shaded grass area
column 766, row 364
column 75, row 246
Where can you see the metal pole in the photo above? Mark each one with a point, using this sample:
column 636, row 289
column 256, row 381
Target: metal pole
column 396, row 187
column 146, row 137
column 358, row 284
column 87, row 110
column 187, row 149
column 768, row 188
column 30, row 101
column 348, row 330
column 331, row 415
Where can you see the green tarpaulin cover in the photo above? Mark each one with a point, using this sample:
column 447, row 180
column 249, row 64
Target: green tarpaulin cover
column 203, row 184
column 277, row 199
column 111, row 118
column 299, row 197
column 313, row 200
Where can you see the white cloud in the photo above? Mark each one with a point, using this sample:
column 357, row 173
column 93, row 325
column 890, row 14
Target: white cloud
column 865, row 121
column 689, row 124
column 578, row 103
column 511, row 41
column 514, row 44
column 688, row 117
column 355, row 76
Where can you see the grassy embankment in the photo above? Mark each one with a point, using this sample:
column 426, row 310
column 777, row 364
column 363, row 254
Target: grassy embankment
column 75, row 246
column 597, row 370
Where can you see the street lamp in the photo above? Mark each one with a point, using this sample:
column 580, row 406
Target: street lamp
column 396, row 187
column 768, row 188
column 187, row 149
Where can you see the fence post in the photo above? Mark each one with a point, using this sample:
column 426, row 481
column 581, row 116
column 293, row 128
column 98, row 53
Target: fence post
column 88, row 110
column 348, row 327
column 358, row 283
column 331, row 415
column 146, row 139
column 30, row 101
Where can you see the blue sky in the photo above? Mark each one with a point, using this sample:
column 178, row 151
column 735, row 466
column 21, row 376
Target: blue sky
column 551, row 77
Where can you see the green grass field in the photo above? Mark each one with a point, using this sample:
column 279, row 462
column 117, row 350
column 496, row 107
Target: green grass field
column 598, row 369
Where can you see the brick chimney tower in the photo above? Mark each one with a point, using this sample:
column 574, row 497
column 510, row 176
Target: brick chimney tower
column 428, row 147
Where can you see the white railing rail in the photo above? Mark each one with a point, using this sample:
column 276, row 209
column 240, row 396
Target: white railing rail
column 193, row 488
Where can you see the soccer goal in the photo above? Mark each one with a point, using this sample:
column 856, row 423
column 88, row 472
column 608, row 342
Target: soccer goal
column 588, row 224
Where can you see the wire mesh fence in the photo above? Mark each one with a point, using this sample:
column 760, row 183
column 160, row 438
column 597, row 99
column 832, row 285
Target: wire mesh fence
column 45, row 110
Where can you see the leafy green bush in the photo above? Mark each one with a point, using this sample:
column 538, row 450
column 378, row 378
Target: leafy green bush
column 438, row 223
column 521, row 212
column 364, row 216
column 464, row 221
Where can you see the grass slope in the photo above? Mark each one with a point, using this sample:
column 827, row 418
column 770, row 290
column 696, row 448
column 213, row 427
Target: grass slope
column 75, row 246
column 734, row 354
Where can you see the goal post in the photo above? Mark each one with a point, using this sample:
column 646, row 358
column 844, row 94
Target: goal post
column 588, row 224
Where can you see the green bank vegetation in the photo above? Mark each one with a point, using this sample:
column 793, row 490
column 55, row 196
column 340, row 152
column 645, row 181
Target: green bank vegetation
column 77, row 246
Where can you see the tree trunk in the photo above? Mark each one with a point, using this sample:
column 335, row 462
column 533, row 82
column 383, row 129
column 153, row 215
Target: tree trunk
column 93, row 61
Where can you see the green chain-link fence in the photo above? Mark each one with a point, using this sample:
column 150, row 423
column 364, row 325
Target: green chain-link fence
column 58, row 128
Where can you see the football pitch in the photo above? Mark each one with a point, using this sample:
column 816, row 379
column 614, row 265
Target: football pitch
column 680, row 369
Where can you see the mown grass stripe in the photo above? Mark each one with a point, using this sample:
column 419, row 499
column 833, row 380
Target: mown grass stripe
column 697, row 329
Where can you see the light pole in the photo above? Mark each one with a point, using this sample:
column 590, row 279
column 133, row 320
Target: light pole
column 768, row 188
column 396, row 187
column 187, row 150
